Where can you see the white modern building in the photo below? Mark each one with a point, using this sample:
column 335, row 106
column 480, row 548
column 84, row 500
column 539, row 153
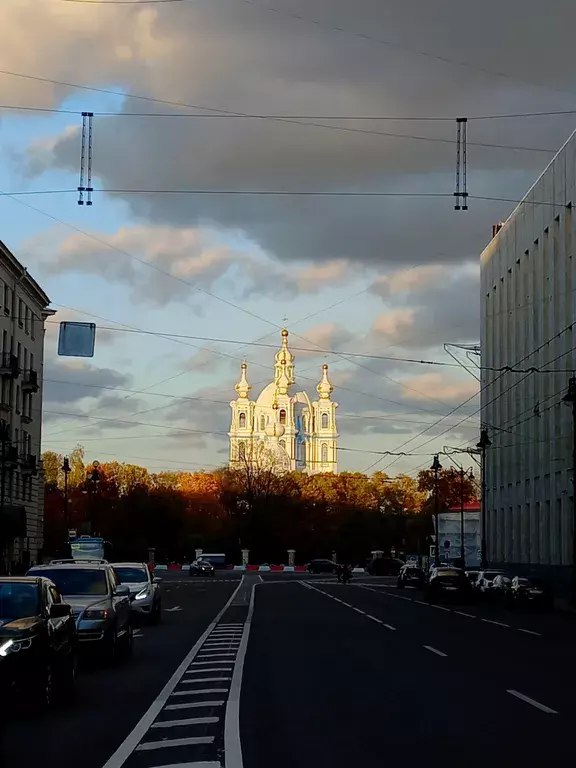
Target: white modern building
column 285, row 430
column 23, row 311
column 528, row 296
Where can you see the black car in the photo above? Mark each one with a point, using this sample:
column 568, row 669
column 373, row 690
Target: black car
column 530, row 592
column 201, row 568
column 411, row 576
column 322, row 565
column 448, row 584
column 37, row 641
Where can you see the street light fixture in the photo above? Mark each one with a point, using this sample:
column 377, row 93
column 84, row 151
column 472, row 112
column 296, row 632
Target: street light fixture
column 436, row 466
column 570, row 399
column 483, row 444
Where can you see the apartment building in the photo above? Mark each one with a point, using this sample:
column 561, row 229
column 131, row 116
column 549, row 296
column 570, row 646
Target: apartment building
column 23, row 311
column 528, row 295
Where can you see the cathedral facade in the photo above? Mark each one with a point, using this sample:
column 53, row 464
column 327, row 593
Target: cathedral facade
column 281, row 429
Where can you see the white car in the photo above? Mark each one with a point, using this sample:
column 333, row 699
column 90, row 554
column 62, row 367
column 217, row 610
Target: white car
column 145, row 594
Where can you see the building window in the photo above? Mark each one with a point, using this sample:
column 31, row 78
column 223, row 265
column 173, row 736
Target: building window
column 262, row 422
column 241, row 451
column 242, row 420
column 20, row 313
column 282, row 416
column 324, row 421
column 324, row 455
column 27, row 319
column 18, row 398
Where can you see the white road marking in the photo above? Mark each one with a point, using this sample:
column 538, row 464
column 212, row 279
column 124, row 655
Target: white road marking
column 203, row 671
column 199, row 691
column 337, row 599
column 206, row 680
column 440, row 608
column 529, row 632
column 130, row 743
column 185, row 721
column 435, row 650
column 232, row 742
column 201, row 764
column 498, row 623
column 137, row 633
column 204, row 663
column 534, row 703
column 468, row 615
column 194, row 705
column 421, row 602
column 214, row 655
column 148, row 745
column 175, row 608
column 213, row 646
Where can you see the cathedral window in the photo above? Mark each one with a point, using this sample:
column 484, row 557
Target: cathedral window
column 282, row 416
column 324, row 421
column 324, row 453
column 241, row 451
column 262, row 422
column 242, row 420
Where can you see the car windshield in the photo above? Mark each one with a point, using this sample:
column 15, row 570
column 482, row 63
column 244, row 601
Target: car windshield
column 131, row 575
column 77, row 581
column 18, row 601
column 204, row 563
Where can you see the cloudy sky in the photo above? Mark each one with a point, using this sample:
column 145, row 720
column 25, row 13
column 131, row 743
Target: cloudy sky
column 184, row 281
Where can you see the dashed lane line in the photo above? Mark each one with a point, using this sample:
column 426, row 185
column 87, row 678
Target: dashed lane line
column 342, row 602
column 435, row 650
column 450, row 610
column 185, row 721
column 148, row 745
column 532, row 702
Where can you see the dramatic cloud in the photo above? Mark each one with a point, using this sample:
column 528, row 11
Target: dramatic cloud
column 437, row 386
column 69, row 382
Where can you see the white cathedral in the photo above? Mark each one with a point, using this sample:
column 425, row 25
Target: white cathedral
column 287, row 431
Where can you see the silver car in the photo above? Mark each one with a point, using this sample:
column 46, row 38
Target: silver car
column 100, row 604
column 145, row 594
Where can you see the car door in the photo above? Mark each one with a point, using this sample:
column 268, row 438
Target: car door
column 121, row 603
column 56, row 627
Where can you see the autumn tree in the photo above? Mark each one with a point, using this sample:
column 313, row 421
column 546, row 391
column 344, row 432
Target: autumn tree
column 453, row 488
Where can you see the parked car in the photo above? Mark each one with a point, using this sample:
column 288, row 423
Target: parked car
column 321, row 565
column 411, row 576
column 526, row 592
column 202, row 567
column 100, row 604
column 37, row 641
column 145, row 594
column 448, row 584
column 385, row 566
column 472, row 576
column 501, row 586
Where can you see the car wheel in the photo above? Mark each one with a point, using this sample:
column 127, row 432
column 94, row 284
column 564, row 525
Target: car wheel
column 41, row 694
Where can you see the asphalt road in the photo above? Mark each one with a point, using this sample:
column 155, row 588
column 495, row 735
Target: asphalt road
column 297, row 672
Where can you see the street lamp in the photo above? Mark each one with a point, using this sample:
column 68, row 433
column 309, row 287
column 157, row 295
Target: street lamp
column 483, row 444
column 66, row 469
column 93, row 479
column 570, row 399
column 470, row 476
column 436, row 466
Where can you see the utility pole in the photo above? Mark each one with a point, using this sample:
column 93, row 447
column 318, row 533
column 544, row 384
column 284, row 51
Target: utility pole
column 469, row 476
column 483, row 444
column 435, row 467
column 570, row 399
column 66, row 469
column 4, row 438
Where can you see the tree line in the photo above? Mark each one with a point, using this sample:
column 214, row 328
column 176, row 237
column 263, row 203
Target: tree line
column 250, row 507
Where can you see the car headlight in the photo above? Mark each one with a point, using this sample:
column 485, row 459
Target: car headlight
column 95, row 614
column 142, row 594
column 13, row 646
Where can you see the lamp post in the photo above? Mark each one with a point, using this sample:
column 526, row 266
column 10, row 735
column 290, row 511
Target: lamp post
column 469, row 476
column 93, row 480
column 570, row 399
column 436, row 466
column 483, row 444
column 66, row 469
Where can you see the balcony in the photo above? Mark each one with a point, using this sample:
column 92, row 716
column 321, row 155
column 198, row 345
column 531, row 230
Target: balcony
column 30, row 381
column 29, row 464
column 26, row 418
column 9, row 368
column 10, row 457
